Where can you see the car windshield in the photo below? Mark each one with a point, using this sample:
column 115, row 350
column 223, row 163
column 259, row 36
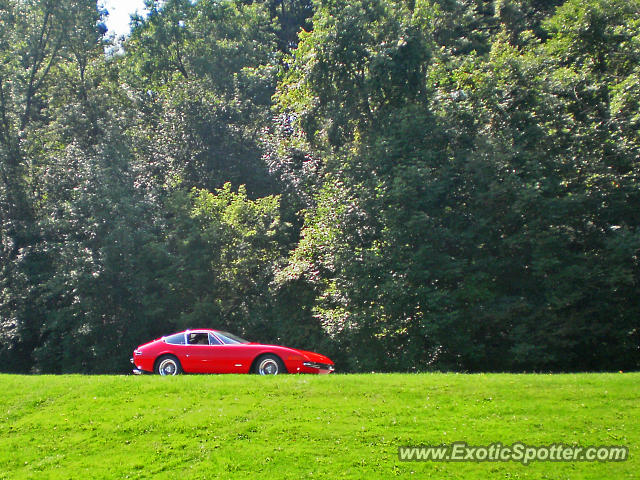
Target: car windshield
column 230, row 338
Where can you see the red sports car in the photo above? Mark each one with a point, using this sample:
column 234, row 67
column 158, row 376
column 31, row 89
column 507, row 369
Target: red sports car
column 213, row 351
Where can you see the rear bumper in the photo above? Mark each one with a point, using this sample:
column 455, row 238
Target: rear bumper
column 136, row 370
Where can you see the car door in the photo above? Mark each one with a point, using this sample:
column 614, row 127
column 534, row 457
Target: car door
column 217, row 357
column 234, row 355
column 221, row 357
column 201, row 353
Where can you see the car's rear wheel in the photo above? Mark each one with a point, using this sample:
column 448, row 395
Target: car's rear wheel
column 168, row 365
column 269, row 365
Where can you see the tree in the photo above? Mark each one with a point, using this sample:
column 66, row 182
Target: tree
column 38, row 42
column 204, row 108
column 465, row 220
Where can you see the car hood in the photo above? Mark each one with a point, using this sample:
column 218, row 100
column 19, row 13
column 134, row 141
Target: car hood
column 311, row 356
column 315, row 357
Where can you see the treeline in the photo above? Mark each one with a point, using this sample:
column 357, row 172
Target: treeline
column 403, row 185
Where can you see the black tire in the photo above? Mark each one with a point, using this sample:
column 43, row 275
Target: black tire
column 167, row 365
column 269, row 365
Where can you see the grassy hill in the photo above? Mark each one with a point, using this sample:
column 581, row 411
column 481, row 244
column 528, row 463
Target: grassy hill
column 291, row 427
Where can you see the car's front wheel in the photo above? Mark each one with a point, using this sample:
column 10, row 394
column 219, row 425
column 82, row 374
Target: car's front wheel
column 168, row 365
column 269, row 365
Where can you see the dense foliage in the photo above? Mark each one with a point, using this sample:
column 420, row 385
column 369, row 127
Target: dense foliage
column 403, row 185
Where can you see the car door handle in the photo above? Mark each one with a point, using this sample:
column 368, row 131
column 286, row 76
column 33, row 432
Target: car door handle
column 187, row 355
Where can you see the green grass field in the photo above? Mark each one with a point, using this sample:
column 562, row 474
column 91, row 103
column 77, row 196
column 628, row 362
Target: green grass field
column 291, row 427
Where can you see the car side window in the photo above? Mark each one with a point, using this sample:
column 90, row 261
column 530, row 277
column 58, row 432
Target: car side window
column 213, row 340
column 177, row 339
column 198, row 338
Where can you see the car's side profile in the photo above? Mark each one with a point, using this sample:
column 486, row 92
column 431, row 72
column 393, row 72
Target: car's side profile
column 215, row 351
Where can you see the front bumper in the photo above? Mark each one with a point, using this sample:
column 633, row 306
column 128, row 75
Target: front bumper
column 319, row 367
